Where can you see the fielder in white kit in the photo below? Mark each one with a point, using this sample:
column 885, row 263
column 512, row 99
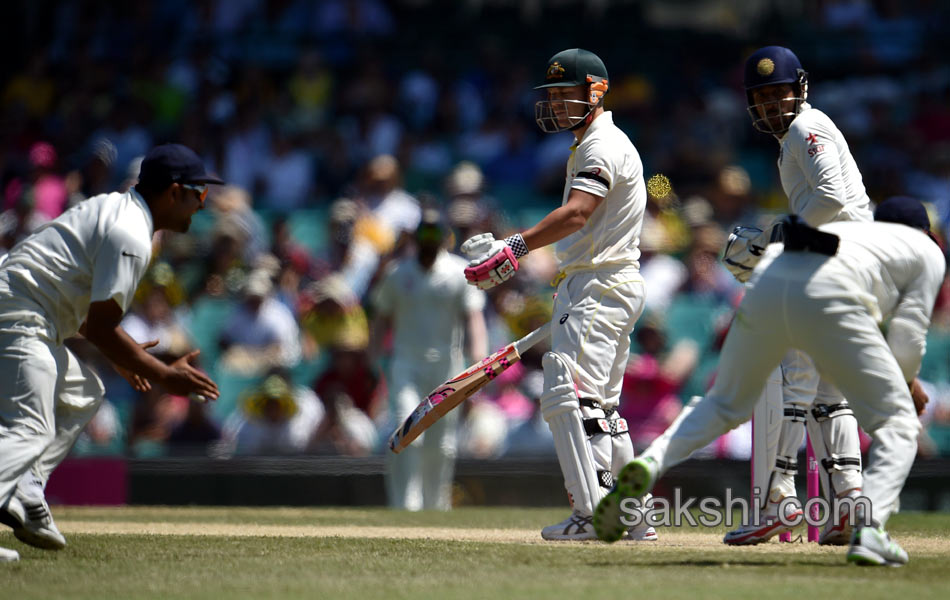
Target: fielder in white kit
column 827, row 294
column 823, row 185
column 601, row 293
column 77, row 274
column 425, row 300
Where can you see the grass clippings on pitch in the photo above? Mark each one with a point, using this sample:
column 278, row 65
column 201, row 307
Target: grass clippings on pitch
column 191, row 552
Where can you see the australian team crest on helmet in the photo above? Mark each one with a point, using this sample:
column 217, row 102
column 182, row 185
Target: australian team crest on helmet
column 555, row 71
column 765, row 67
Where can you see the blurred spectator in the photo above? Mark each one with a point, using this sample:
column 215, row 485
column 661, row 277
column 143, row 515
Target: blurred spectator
column 22, row 218
column 332, row 317
column 383, row 195
column 195, row 434
column 152, row 318
column 155, row 416
column 104, row 434
column 350, row 372
column 286, row 175
column 275, row 417
column 653, row 378
column 261, row 332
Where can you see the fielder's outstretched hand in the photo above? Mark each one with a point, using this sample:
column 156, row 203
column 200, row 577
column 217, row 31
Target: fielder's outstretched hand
column 184, row 379
column 492, row 261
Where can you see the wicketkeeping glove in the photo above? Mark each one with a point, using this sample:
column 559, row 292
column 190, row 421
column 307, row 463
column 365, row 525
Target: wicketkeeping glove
column 492, row 261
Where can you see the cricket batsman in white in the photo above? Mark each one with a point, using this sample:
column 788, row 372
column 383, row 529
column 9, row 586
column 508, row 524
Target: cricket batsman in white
column 77, row 274
column 827, row 294
column 600, row 293
column 823, row 185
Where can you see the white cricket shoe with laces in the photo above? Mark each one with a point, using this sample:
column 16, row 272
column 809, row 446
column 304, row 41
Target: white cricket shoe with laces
column 769, row 525
column 871, row 546
column 575, row 527
column 32, row 522
column 7, row 555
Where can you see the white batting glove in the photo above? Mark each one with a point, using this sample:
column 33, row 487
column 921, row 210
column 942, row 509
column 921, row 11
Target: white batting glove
column 492, row 261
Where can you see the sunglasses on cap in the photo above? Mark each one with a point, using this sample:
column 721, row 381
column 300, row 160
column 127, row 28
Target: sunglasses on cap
column 201, row 189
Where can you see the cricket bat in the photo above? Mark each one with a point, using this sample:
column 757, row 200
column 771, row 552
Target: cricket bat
column 451, row 393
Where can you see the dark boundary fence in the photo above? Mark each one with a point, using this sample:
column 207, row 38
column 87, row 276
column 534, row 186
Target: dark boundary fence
column 343, row 481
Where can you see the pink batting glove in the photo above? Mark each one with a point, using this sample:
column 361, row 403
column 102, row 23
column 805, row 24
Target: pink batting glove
column 493, row 261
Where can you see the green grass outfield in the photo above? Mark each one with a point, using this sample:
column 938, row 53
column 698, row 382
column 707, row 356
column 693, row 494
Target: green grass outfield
column 493, row 553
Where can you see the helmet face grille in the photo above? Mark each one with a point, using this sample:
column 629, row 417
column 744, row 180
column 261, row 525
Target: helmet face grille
column 773, row 110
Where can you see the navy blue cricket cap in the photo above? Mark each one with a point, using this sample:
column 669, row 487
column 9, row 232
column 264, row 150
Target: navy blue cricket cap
column 903, row 210
column 174, row 163
column 771, row 65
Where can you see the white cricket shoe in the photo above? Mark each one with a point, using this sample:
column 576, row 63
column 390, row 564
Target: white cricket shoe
column 32, row 522
column 641, row 533
column 635, row 480
column 871, row 546
column 768, row 527
column 575, row 527
column 7, row 555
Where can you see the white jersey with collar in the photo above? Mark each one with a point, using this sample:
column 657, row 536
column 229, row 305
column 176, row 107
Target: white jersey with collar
column 605, row 163
column 818, row 173
column 97, row 250
column 894, row 270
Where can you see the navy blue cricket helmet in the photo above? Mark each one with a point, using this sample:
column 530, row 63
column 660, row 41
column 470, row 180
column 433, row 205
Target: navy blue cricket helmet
column 774, row 65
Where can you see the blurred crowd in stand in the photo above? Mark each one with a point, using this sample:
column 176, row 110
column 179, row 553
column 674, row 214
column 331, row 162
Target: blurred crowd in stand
column 335, row 123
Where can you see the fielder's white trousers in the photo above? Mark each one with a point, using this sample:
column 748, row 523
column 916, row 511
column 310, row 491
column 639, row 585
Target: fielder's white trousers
column 593, row 317
column 47, row 398
column 420, row 477
column 794, row 305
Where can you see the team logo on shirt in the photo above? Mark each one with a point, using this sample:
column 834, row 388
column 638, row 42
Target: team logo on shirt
column 127, row 253
column 814, row 148
column 555, row 71
column 765, row 67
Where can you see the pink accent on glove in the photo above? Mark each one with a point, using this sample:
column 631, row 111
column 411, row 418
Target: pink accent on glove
column 494, row 270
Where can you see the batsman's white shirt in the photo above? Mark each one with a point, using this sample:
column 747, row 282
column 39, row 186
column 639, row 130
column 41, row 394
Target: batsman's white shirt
column 97, row 250
column 818, row 173
column 605, row 163
column 602, row 295
column 831, row 308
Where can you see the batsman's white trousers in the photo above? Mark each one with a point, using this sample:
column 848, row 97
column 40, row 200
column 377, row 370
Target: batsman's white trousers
column 48, row 397
column 420, row 477
column 796, row 305
column 593, row 317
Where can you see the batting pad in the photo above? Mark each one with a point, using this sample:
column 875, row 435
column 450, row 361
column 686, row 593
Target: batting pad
column 561, row 409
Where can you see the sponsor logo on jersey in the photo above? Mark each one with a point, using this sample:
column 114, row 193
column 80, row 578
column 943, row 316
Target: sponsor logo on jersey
column 811, row 138
column 564, row 318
